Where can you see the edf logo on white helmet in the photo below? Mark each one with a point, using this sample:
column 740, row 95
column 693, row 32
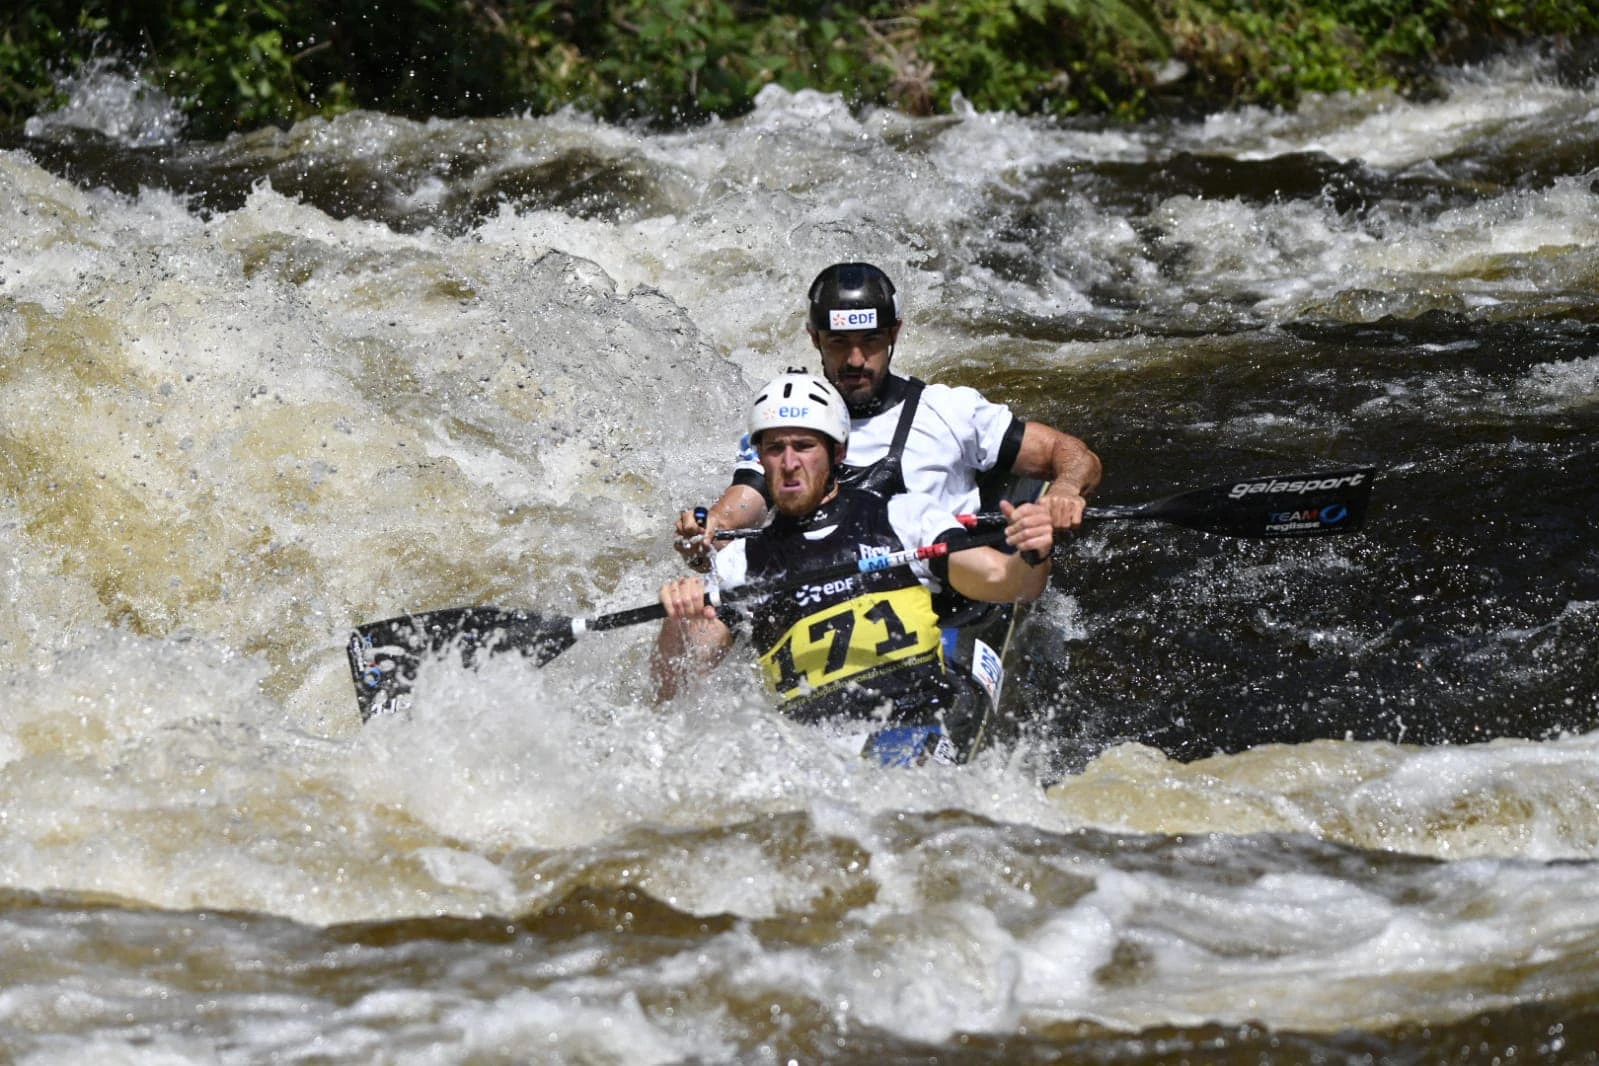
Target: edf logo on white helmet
column 793, row 412
column 1250, row 488
column 860, row 318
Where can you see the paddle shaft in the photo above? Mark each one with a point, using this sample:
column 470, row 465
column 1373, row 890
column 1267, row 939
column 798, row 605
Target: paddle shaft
column 871, row 565
column 1323, row 504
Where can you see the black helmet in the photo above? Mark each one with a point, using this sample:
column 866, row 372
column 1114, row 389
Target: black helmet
column 852, row 296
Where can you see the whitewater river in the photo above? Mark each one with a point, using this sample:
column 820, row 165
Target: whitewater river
column 1326, row 801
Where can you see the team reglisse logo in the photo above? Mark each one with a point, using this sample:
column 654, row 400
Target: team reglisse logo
column 1310, row 518
column 360, row 649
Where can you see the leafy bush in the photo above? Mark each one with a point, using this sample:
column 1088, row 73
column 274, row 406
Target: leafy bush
column 35, row 50
column 236, row 64
column 1272, row 52
column 1050, row 56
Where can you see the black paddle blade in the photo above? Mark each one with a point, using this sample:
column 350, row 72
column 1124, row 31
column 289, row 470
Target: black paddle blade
column 1325, row 504
column 384, row 656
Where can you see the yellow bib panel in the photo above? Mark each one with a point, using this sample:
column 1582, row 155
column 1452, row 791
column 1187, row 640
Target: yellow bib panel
column 853, row 640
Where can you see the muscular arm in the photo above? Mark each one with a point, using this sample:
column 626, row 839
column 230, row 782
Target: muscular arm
column 1073, row 471
column 995, row 576
column 740, row 507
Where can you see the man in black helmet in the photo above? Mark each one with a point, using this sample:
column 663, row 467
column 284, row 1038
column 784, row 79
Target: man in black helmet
column 905, row 435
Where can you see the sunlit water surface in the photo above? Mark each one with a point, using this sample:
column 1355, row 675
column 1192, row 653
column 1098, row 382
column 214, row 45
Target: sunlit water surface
column 1330, row 801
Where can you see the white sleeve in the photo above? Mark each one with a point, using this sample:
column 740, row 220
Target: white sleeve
column 918, row 520
column 980, row 425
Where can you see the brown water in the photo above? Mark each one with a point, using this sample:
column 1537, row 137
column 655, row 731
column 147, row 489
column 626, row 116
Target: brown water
column 1329, row 801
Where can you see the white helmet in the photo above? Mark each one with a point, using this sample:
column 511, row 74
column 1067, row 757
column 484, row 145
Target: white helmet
column 798, row 400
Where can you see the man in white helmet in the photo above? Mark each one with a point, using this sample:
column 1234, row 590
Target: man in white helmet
column 867, row 647
column 947, row 442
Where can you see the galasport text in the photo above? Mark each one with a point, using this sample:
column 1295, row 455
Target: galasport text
column 1250, row 488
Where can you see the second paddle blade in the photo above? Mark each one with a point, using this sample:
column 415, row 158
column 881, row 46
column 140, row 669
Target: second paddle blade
column 1323, row 504
column 384, row 656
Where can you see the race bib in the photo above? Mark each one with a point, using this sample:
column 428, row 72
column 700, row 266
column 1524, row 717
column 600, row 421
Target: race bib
column 853, row 638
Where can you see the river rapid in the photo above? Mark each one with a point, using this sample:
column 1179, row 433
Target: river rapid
column 1328, row 801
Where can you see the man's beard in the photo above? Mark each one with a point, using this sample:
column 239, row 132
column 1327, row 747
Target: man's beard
column 862, row 396
column 795, row 508
column 864, row 401
column 861, row 400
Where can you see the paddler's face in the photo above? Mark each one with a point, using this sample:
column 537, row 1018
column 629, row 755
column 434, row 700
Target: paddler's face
column 856, row 361
column 798, row 464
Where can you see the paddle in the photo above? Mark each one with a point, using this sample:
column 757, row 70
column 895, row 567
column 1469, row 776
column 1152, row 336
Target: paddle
column 384, row 656
column 1287, row 505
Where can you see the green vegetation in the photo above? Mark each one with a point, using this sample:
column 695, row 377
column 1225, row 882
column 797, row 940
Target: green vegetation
column 238, row 64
